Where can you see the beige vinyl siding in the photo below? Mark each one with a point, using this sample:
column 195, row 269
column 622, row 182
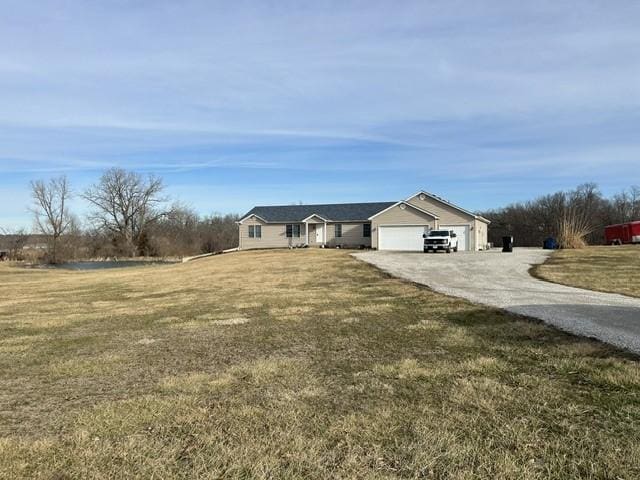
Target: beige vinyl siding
column 273, row 235
column 481, row 236
column 447, row 215
column 399, row 216
column 351, row 235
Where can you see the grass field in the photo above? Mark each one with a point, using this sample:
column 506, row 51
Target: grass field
column 291, row 364
column 614, row 269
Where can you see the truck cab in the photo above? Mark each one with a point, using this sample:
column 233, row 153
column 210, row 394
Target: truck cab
column 436, row 240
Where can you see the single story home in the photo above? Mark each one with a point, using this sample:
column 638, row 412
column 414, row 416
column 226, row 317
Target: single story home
column 380, row 225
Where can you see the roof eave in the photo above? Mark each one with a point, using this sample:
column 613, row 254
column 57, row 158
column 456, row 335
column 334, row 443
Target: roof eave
column 239, row 222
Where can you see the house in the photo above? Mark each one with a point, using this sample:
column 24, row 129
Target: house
column 380, row 225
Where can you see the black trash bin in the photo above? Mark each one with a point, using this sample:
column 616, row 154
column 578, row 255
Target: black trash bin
column 507, row 244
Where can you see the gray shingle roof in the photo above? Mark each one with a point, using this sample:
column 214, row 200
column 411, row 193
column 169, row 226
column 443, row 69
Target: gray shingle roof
column 337, row 212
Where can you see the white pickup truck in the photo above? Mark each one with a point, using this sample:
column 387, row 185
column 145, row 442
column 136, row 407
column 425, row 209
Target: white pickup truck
column 436, row 240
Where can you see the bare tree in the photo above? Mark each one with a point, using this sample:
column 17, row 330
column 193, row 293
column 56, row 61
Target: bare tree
column 13, row 242
column 126, row 204
column 50, row 210
column 176, row 233
column 625, row 206
column 218, row 232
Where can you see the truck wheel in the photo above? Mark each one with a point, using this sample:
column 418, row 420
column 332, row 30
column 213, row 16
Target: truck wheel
column 455, row 249
column 448, row 250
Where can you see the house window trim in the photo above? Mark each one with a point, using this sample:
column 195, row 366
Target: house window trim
column 255, row 231
column 338, row 230
column 364, row 230
column 292, row 227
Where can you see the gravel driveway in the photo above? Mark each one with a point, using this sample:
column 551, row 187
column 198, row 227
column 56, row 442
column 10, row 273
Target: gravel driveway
column 502, row 280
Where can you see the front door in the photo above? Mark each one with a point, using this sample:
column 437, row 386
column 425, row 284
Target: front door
column 319, row 233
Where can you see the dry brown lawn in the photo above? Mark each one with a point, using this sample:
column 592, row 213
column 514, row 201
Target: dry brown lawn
column 614, row 269
column 296, row 364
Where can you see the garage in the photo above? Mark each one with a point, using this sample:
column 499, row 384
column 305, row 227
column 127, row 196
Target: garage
column 400, row 226
column 462, row 231
column 406, row 238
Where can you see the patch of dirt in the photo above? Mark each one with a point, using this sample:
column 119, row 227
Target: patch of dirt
column 350, row 320
column 231, row 321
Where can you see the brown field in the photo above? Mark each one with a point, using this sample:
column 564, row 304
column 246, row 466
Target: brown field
column 291, row 364
column 613, row 269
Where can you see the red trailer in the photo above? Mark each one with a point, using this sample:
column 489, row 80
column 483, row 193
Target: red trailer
column 622, row 233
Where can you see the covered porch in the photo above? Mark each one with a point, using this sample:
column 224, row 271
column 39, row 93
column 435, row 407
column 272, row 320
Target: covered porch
column 315, row 231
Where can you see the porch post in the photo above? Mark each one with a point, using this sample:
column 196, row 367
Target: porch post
column 306, row 232
column 324, row 234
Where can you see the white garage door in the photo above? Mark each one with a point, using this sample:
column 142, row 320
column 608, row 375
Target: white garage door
column 405, row 238
column 462, row 231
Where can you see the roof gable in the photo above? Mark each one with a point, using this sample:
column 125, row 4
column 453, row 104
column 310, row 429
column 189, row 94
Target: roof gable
column 448, row 204
column 315, row 218
column 249, row 215
column 406, row 204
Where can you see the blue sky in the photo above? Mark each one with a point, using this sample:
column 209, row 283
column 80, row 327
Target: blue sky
column 243, row 103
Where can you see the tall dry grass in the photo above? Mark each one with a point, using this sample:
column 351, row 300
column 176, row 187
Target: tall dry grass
column 573, row 229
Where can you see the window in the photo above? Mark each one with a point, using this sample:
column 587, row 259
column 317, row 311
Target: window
column 366, row 230
column 255, row 231
column 338, row 230
column 293, row 230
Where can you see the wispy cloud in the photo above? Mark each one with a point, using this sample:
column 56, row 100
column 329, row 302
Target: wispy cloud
column 382, row 95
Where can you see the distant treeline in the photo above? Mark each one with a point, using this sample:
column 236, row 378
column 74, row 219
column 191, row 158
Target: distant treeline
column 130, row 217
column 585, row 207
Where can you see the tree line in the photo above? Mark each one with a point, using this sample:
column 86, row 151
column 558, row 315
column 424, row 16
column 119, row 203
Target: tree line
column 129, row 216
column 575, row 217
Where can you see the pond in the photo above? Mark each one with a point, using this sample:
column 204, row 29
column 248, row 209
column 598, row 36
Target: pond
column 109, row 264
